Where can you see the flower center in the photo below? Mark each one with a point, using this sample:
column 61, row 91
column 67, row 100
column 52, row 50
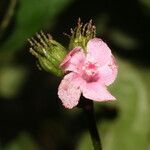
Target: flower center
column 90, row 72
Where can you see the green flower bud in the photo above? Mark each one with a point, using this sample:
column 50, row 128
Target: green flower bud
column 82, row 34
column 48, row 52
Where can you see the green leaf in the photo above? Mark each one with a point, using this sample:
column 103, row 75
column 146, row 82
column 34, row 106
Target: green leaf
column 124, row 40
column 23, row 142
column 31, row 17
column 12, row 78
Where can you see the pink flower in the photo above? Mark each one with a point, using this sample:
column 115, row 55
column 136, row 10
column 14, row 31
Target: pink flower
column 90, row 73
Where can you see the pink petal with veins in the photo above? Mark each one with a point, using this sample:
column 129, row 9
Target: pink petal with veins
column 96, row 92
column 108, row 73
column 69, row 90
column 98, row 51
column 74, row 60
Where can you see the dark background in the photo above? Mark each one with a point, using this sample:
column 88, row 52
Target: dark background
column 31, row 115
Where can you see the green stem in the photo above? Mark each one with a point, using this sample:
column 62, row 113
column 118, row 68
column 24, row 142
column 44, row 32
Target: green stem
column 89, row 110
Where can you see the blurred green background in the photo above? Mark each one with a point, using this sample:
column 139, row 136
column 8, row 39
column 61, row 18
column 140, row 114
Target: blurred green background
column 31, row 115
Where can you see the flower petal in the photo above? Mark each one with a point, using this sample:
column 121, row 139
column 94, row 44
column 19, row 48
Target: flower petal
column 74, row 60
column 96, row 92
column 69, row 91
column 108, row 73
column 98, row 51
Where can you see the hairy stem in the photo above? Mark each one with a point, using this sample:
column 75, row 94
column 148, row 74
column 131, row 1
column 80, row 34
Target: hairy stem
column 89, row 111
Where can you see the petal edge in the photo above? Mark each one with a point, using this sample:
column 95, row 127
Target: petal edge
column 98, row 51
column 97, row 92
column 68, row 91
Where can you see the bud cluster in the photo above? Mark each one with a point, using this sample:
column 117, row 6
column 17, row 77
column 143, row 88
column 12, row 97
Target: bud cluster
column 81, row 34
column 49, row 53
